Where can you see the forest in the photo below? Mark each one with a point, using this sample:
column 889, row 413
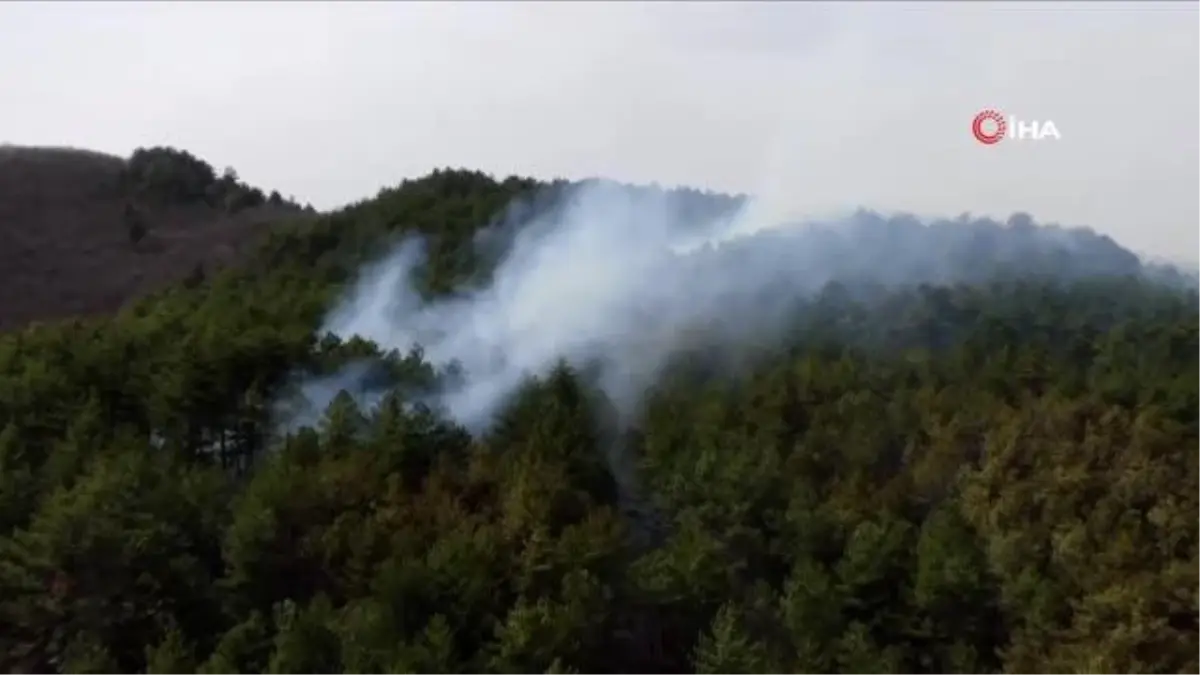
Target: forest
column 990, row 469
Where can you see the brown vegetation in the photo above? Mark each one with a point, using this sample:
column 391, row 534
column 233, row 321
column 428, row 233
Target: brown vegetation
column 83, row 232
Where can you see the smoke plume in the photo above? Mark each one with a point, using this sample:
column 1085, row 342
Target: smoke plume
column 616, row 279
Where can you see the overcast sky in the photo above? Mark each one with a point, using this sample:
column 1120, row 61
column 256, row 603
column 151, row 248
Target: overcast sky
column 815, row 106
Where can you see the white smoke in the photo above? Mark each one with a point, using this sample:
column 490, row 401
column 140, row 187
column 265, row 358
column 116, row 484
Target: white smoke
column 616, row 279
column 593, row 282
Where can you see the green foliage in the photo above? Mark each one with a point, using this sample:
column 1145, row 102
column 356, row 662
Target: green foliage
column 989, row 478
column 168, row 175
column 165, row 176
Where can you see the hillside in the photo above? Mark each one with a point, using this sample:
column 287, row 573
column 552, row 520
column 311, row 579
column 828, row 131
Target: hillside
column 542, row 436
column 82, row 233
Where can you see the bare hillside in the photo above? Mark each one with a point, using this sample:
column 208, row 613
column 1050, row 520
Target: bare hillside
column 83, row 232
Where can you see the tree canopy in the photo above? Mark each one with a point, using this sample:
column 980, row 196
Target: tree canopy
column 995, row 476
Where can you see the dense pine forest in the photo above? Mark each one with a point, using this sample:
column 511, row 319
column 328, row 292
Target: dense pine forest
column 990, row 469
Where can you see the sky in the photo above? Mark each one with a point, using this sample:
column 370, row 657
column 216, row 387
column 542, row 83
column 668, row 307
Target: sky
column 814, row 107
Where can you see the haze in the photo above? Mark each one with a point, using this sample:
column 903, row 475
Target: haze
column 816, row 107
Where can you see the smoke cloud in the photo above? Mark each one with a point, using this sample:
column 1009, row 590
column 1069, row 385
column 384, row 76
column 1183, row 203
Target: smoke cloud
column 616, row 279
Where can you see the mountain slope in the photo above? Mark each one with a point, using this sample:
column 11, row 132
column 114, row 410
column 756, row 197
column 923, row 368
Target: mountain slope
column 926, row 477
column 82, row 233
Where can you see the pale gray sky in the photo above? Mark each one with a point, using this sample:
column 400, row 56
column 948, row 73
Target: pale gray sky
column 817, row 106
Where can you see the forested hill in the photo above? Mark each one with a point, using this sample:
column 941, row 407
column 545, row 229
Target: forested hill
column 983, row 463
column 82, row 232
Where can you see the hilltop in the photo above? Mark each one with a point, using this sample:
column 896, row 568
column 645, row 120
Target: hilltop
column 82, row 233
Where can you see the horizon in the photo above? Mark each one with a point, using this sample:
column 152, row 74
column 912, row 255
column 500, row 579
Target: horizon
column 850, row 102
column 1180, row 264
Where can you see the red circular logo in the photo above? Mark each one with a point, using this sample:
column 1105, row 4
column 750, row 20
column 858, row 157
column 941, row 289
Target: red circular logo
column 989, row 127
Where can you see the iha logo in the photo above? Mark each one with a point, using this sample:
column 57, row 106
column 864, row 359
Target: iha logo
column 990, row 127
